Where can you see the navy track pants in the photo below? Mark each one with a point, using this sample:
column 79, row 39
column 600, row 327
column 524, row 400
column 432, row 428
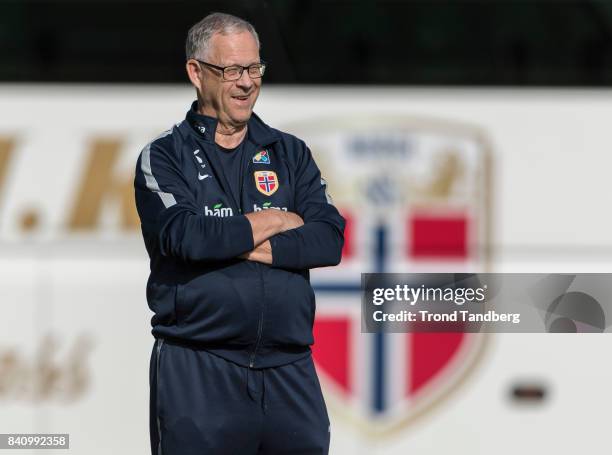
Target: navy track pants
column 203, row 404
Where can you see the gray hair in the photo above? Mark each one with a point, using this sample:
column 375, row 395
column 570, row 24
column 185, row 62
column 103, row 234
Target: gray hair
column 198, row 37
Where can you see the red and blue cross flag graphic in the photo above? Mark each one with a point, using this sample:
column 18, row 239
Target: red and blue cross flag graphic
column 266, row 181
column 385, row 379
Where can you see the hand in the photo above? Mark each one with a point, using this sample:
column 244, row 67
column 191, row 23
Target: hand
column 267, row 223
column 291, row 221
column 262, row 253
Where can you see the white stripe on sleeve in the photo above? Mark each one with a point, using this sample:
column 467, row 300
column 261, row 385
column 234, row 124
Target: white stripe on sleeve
column 145, row 165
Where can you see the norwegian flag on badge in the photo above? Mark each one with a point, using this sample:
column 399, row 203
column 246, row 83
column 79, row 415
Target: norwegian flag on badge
column 266, row 182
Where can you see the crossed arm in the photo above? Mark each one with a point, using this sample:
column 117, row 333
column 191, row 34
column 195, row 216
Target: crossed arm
column 173, row 222
column 266, row 224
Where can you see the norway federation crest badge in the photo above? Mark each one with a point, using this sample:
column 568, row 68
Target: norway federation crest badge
column 266, row 182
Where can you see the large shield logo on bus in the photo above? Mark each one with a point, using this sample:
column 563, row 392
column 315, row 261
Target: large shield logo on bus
column 416, row 196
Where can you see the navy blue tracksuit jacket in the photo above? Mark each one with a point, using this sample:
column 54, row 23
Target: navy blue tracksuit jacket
column 202, row 294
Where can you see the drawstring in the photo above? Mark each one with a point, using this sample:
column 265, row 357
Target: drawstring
column 249, row 385
column 253, row 386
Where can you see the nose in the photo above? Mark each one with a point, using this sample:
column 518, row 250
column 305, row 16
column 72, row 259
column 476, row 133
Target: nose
column 245, row 80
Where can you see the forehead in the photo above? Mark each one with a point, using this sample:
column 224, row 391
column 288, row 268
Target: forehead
column 234, row 48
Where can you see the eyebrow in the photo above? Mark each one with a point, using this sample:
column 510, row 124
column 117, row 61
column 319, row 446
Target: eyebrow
column 238, row 64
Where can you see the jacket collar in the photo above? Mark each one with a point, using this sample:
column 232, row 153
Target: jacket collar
column 205, row 127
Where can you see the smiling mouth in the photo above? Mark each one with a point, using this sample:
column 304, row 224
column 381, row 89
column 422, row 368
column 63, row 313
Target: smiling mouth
column 242, row 97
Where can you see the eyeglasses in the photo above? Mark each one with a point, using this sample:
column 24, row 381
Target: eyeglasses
column 234, row 72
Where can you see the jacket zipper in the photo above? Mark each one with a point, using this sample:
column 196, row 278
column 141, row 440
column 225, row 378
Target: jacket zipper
column 261, row 313
column 259, row 266
column 261, row 317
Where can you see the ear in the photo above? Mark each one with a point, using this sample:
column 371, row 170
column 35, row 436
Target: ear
column 194, row 71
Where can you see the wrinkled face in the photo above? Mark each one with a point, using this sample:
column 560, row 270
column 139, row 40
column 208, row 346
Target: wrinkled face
column 230, row 101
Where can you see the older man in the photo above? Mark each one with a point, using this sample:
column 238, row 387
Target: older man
column 234, row 213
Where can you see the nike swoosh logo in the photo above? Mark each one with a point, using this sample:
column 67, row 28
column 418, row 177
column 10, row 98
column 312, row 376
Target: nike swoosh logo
column 202, row 177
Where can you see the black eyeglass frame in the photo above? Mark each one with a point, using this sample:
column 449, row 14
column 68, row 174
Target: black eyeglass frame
column 261, row 64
